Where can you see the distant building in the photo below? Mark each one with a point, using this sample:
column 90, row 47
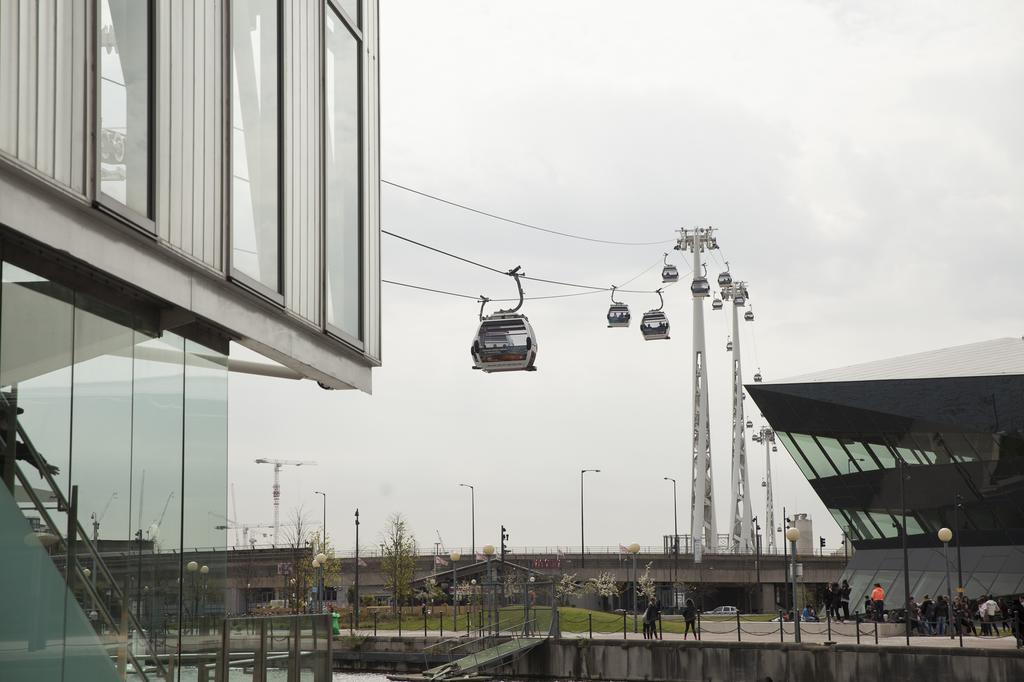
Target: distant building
column 955, row 418
column 174, row 176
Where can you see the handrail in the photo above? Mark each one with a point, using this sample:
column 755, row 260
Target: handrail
column 83, row 537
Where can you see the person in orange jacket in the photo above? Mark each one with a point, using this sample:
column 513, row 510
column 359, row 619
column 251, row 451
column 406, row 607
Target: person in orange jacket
column 878, row 601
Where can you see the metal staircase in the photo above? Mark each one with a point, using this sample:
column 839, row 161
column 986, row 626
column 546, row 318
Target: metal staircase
column 73, row 544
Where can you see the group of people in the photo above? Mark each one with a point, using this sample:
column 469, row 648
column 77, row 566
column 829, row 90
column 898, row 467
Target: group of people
column 932, row 616
column 837, row 601
column 652, row 614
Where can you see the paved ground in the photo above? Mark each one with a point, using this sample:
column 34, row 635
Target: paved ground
column 769, row 632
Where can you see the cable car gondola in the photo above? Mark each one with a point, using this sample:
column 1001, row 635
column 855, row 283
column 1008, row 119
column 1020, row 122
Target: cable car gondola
column 716, row 303
column 505, row 341
column 618, row 313
column 654, row 325
column 757, row 376
column 669, row 273
column 725, row 278
column 728, row 344
column 750, row 424
column 700, row 287
column 749, row 316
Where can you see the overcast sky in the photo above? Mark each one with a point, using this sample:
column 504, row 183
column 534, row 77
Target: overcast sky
column 863, row 161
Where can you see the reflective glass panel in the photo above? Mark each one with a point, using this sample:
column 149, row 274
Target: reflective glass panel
column 124, row 102
column 859, row 452
column 255, row 227
column 863, row 525
column 885, row 523
column 342, row 150
column 156, row 482
column 837, row 454
column 815, row 455
column 794, row 452
column 206, row 484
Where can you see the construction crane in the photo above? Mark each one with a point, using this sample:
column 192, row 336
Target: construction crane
column 154, row 528
column 244, row 539
column 96, row 518
column 278, row 463
column 234, row 512
column 440, row 542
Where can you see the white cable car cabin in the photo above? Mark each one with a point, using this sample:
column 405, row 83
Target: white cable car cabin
column 749, row 316
column 669, row 273
column 716, row 303
column 700, row 287
column 757, row 377
column 728, row 344
column 654, row 324
column 750, row 424
column 618, row 313
column 505, row 341
column 724, row 278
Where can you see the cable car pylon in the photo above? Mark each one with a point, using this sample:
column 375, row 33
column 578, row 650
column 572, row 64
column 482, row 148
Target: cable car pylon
column 741, row 530
column 703, row 528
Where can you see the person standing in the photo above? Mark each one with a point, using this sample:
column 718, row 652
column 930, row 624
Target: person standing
column 1017, row 620
column 690, row 617
column 844, row 599
column 650, row 620
column 830, row 595
column 878, row 601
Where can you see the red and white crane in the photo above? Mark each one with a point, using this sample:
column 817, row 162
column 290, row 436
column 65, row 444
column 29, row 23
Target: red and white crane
column 278, row 463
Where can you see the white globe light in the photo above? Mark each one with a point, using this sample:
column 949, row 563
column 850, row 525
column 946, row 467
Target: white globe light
column 86, row 572
column 192, row 566
column 634, row 548
column 322, row 558
column 945, row 535
column 316, row 564
column 488, row 550
column 454, row 556
column 473, row 581
column 792, row 534
column 532, row 578
column 204, row 569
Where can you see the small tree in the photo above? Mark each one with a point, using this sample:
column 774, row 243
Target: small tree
column 398, row 561
column 567, row 588
column 605, row 585
column 645, row 586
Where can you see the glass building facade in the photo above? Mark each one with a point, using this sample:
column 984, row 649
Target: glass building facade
column 959, row 441
column 119, row 434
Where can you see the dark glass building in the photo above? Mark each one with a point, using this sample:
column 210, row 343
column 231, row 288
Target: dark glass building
column 953, row 419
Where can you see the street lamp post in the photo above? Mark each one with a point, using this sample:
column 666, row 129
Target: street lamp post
column 192, row 567
column 454, row 557
column 583, row 544
column 757, row 558
column 489, row 554
column 472, row 514
column 945, row 535
column 320, row 562
column 675, row 540
column 355, row 608
column 204, row 571
column 906, row 554
column 323, row 538
column 793, row 534
column 316, row 602
column 958, row 504
column 634, row 549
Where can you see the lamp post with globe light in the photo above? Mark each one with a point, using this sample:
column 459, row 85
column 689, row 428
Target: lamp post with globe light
column 634, row 549
column 204, row 571
column 945, row 535
column 454, row 558
column 192, row 567
column 793, row 534
column 489, row 554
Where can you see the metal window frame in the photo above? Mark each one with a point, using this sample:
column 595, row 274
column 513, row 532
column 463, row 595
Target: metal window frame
column 247, row 282
column 146, row 224
column 332, row 330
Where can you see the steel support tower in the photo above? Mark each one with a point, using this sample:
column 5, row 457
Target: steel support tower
column 767, row 436
column 703, row 529
column 741, row 533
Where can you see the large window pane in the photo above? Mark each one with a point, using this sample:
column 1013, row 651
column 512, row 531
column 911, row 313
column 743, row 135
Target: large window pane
column 255, row 228
column 158, row 403
column 124, row 102
column 206, row 481
column 794, row 452
column 342, row 149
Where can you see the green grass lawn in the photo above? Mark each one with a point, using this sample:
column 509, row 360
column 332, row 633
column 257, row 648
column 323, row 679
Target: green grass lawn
column 571, row 619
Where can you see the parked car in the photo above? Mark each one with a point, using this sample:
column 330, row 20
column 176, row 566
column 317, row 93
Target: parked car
column 723, row 611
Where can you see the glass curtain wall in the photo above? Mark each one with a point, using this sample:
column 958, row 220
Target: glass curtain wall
column 344, row 252
column 136, row 423
column 124, row 135
column 255, row 142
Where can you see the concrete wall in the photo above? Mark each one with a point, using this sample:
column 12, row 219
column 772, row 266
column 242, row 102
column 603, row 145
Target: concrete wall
column 727, row 661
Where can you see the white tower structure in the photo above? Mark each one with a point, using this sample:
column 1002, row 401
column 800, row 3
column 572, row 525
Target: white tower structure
column 703, row 529
column 278, row 463
column 741, row 531
column 767, row 436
